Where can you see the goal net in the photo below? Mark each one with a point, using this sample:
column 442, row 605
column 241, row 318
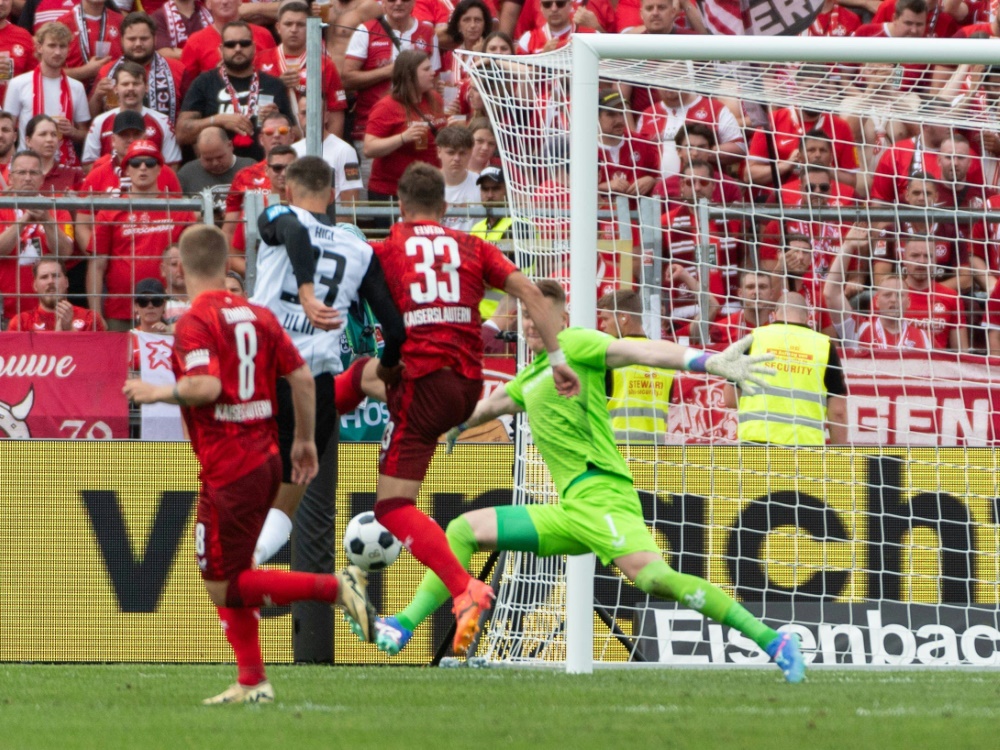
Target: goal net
column 855, row 197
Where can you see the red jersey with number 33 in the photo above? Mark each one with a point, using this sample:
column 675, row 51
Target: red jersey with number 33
column 437, row 278
column 244, row 346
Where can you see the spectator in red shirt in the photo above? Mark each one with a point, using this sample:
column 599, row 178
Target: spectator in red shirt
column 680, row 258
column 554, row 32
column 18, row 45
column 401, row 127
column 484, row 145
column 54, row 311
column 834, row 19
column 42, row 136
column 588, row 15
column 176, row 21
column 368, row 63
column 464, row 29
column 128, row 245
column 92, row 23
column 950, row 259
column 657, row 17
column 278, row 160
column 164, row 78
column 886, row 327
column 758, row 293
column 130, row 85
column 673, row 110
column 697, row 142
column 944, row 17
column 909, row 21
column 8, row 140
column 287, row 61
column 818, row 152
column 203, row 50
column 276, row 130
column 107, row 174
column 933, row 306
column 788, row 126
column 914, row 156
column 27, row 235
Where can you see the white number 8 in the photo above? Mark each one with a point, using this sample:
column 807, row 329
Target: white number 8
column 246, row 350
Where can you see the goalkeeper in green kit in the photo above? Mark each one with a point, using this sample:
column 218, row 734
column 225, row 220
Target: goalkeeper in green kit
column 599, row 510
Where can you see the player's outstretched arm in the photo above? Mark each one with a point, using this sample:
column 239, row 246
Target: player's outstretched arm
column 305, row 461
column 549, row 323
column 496, row 404
column 732, row 364
column 195, row 390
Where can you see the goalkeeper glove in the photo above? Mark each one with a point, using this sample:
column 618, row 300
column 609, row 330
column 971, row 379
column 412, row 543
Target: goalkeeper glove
column 451, row 437
column 733, row 364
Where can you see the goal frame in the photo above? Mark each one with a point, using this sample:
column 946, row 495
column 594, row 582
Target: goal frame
column 587, row 51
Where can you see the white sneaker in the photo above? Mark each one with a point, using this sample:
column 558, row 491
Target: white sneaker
column 262, row 692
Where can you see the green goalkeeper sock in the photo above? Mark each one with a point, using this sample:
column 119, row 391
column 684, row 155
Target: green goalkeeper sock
column 432, row 593
column 659, row 579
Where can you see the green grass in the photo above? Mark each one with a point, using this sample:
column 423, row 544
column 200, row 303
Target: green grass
column 155, row 706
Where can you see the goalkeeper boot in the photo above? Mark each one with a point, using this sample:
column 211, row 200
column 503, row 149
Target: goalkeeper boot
column 784, row 651
column 262, row 692
column 476, row 599
column 390, row 635
column 358, row 611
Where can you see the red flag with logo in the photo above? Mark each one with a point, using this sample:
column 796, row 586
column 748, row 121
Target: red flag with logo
column 63, row 385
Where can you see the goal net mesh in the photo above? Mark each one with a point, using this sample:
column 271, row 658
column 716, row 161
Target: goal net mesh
column 866, row 192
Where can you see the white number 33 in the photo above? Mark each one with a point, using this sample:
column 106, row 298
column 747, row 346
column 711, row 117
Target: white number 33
column 436, row 284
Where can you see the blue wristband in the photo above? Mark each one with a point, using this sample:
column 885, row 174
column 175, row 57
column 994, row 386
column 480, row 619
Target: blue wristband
column 695, row 360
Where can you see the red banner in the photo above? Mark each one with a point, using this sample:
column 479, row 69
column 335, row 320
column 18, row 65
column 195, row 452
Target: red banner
column 63, row 385
column 894, row 398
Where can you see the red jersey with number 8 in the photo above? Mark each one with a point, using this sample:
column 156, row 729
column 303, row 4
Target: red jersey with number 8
column 437, row 278
column 244, row 346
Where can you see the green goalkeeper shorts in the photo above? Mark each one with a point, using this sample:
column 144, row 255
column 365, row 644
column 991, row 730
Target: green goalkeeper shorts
column 599, row 514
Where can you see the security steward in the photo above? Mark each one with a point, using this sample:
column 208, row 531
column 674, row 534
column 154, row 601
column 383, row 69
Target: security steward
column 806, row 397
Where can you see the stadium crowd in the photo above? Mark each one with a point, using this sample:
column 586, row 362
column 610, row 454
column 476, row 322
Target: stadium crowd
column 164, row 98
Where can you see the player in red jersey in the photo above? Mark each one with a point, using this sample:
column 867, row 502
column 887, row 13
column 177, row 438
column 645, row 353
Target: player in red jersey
column 437, row 278
column 228, row 355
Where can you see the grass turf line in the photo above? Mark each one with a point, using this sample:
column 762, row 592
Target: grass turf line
column 158, row 706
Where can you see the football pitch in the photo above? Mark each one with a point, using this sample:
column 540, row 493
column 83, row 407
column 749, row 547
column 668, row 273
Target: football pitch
column 157, row 706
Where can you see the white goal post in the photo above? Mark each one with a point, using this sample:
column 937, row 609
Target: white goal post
column 635, row 58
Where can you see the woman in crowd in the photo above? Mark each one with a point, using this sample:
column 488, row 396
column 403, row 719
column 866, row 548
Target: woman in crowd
column 42, row 136
column 148, row 304
column 402, row 125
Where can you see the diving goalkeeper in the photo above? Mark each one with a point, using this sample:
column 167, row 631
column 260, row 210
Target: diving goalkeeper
column 599, row 510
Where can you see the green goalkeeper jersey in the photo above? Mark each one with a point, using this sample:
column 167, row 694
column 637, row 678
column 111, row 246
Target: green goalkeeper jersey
column 573, row 434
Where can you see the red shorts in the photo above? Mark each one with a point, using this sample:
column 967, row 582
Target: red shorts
column 420, row 411
column 230, row 519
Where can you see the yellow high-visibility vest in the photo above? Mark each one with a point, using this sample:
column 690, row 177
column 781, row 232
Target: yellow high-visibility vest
column 791, row 409
column 491, row 297
column 638, row 403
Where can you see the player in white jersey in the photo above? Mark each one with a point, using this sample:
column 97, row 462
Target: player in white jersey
column 309, row 271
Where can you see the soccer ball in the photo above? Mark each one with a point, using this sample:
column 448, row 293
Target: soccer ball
column 369, row 544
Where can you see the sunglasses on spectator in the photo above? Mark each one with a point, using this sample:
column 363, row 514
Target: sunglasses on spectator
column 142, row 161
column 279, row 168
column 395, row 2
column 234, row 43
column 279, row 130
column 555, row 3
column 822, row 187
column 149, row 301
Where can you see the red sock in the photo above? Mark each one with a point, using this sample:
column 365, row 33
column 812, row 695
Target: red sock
column 347, row 392
column 241, row 629
column 251, row 588
column 424, row 539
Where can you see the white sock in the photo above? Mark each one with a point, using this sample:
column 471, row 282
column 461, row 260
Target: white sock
column 277, row 529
